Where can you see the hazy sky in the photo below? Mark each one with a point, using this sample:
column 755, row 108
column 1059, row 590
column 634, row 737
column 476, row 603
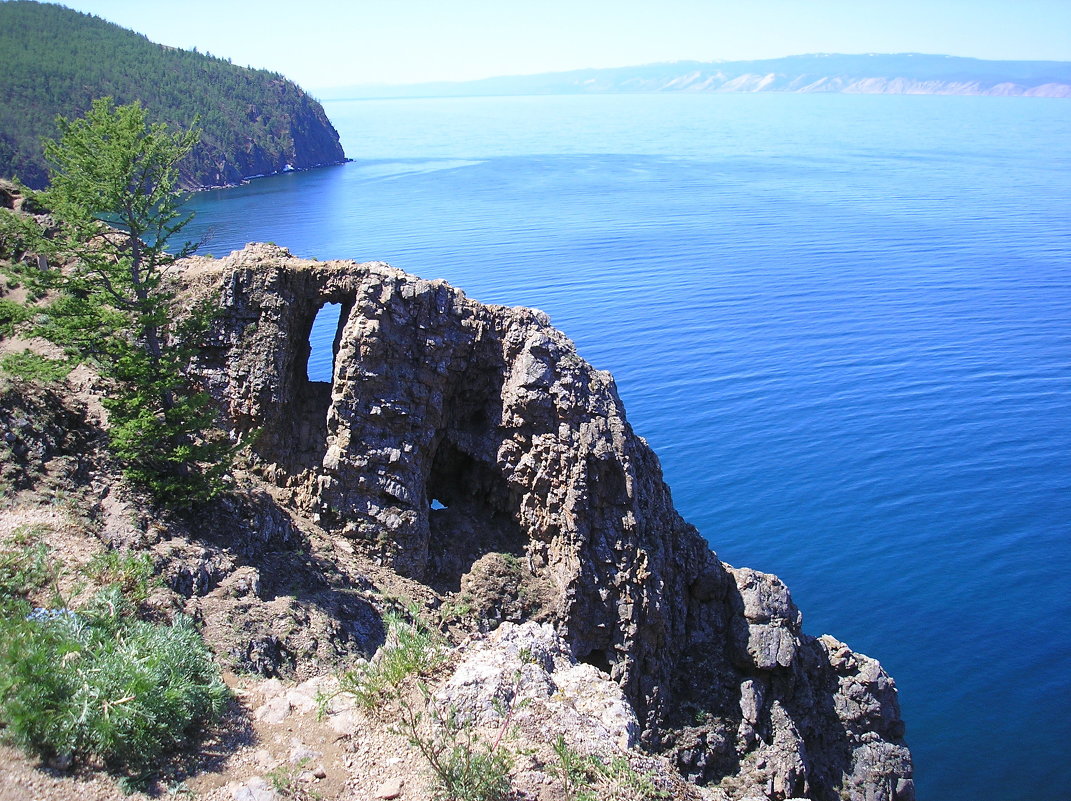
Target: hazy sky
column 324, row 43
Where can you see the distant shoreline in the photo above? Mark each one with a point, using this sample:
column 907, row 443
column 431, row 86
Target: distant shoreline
column 248, row 178
column 1063, row 95
column 905, row 73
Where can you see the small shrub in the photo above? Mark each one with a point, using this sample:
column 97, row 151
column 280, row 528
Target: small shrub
column 622, row 782
column 99, row 685
column 11, row 316
column 286, row 782
column 411, row 650
column 511, row 561
column 586, row 778
column 466, row 767
column 18, row 233
column 575, row 770
column 455, row 610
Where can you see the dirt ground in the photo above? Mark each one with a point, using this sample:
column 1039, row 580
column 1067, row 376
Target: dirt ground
column 272, row 745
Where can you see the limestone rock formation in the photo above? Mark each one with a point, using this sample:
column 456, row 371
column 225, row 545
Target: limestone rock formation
column 453, row 429
column 530, row 668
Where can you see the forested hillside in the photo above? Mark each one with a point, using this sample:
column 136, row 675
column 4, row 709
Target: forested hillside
column 56, row 61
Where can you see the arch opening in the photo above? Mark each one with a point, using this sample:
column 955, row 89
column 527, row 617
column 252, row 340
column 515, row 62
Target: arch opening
column 315, row 332
column 323, row 344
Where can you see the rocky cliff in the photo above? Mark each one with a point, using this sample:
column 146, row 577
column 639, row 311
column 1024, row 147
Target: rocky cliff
column 455, row 434
column 294, row 134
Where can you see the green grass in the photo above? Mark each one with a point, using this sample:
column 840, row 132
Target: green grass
column 35, row 367
column 24, row 563
column 131, row 572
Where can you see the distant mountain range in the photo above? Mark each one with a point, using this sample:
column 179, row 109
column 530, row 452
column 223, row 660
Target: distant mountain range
column 872, row 73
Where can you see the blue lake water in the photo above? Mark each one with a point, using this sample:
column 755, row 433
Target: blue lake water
column 843, row 323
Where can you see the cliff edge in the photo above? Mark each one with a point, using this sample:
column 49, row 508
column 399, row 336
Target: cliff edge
column 455, row 434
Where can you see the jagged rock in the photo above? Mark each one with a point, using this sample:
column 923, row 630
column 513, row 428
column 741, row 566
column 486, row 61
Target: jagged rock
column 270, row 609
column 529, row 668
column 489, row 411
column 10, row 194
column 768, row 624
column 498, row 588
column 39, row 434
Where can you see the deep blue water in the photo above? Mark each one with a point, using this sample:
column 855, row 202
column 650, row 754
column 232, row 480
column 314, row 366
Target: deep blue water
column 843, row 322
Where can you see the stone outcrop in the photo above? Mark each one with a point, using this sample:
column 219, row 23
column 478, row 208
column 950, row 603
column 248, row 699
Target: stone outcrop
column 453, row 429
column 526, row 671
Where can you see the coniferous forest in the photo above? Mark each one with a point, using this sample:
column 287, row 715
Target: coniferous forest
column 57, row 61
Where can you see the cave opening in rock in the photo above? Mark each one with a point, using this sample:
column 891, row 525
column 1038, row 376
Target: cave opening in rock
column 469, row 514
column 598, row 658
column 323, row 343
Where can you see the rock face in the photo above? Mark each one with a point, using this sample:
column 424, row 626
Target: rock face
column 454, row 429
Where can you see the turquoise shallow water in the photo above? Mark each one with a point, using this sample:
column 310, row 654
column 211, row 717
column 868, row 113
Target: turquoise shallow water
column 843, row 322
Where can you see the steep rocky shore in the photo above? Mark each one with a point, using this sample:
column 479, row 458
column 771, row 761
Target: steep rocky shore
column 304, row 138
column 457, row 438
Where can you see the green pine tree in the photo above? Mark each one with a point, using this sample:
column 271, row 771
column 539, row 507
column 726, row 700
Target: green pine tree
column 114, row 191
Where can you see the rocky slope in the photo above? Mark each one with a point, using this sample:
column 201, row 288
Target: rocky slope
column 467, row 451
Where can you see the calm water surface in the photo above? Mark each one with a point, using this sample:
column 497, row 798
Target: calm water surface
column 843, row 322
